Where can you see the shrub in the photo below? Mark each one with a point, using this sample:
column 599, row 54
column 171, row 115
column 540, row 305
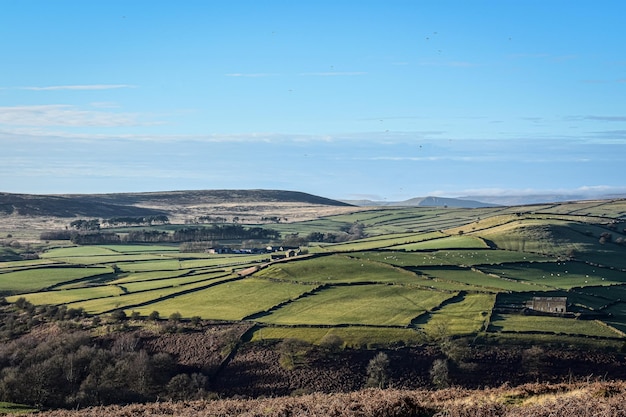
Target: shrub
column 378, row 371
column 293, row 353
column 439, row 373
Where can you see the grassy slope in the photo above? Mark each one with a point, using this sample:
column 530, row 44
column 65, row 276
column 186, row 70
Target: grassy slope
column 532, row 246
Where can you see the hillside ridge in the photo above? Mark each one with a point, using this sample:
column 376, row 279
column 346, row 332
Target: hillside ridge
column 144, row 203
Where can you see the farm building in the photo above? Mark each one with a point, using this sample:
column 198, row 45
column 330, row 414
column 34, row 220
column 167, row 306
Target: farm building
column 287, row 254
column 548, row 304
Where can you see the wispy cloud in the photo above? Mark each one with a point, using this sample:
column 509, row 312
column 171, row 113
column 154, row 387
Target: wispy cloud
column 79, row 87
column 251, row 75
column 583, row 190
column 477, row 158
column 44, row 130
column 334, row 73
column 65, row 115
column 607, row 118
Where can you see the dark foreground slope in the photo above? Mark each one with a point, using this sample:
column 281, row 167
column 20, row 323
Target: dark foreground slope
column 536, row 400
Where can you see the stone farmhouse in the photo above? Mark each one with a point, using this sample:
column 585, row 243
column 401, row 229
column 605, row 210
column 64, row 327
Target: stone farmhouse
column 554, row 305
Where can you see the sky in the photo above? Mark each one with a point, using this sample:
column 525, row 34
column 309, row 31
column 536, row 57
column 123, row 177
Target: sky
column 346, row 99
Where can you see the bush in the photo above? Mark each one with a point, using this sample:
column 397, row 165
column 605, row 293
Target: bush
column 332, row 343
column 439, row 373
column 118, row 315
column 378, row 371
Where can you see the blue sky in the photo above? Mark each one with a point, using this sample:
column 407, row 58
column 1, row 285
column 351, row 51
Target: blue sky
column 344, row 99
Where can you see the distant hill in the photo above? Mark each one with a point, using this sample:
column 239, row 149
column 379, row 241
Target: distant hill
column 145, row 204
column 66, row 206
column 425, row 202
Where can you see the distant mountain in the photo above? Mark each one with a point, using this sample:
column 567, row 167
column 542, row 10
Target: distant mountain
column 425, row 202
column 145, row 204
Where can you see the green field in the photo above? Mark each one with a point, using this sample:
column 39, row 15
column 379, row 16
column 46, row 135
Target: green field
column 558, row 275
column 448, row 257
column 386, row 305
column 39, row 278
column 230, row 300
column 335, row 269
column 467, row 316
column 479, row 280
column 418, row 269
column 450, row 242
column 553, row 325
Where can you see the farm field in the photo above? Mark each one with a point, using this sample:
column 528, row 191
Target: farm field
column 384, row 305
column 468, row 315
column 416, row 269
column 553, row 325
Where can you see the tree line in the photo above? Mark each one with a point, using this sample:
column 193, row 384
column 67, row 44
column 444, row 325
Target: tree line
column 187, row 234
column 96, row 224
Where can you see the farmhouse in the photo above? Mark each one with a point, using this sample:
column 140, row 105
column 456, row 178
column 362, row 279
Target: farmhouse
column 287, row 254
column 548, row 304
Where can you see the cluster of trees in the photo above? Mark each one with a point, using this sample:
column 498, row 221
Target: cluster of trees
column 78, row 370
column 223, row 232
column 188, row 234
column 203, row 234
column 271, row 219
column 82, row 224
column 95, row 224
column 73, row 371
column 206, row 219
column 136, row 221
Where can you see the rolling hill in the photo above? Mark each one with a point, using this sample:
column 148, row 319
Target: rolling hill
column 148, row 203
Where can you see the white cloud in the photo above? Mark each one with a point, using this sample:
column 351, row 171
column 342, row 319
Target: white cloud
column 79, row 87
column 64, row 115
column 45, row 131
column 585, row 190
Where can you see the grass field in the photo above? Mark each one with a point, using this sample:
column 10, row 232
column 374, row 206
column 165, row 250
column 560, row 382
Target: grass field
column 353, row 336
column 413, row 268
column 335, row 269
column 15, row 409
column 448, row 257
column 381, row 242
column 467, row 316
column 551, row 325
column 130, row 300
column 558, row 275
column 230, row 300
column 386, row 305
column 449, row 242
column 40, row 278
column 481, row 281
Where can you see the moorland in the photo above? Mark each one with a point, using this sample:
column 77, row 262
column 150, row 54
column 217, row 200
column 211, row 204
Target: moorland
column 119, row 298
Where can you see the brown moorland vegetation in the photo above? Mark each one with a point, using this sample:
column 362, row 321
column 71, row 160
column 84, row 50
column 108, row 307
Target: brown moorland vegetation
column 607, row 399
